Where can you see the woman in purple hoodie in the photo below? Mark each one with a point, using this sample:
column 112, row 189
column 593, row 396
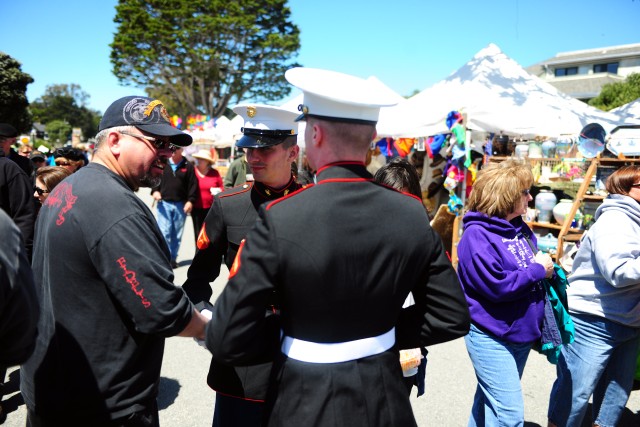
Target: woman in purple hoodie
column 500, row 274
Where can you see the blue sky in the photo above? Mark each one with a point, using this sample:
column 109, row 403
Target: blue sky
column 408, row 44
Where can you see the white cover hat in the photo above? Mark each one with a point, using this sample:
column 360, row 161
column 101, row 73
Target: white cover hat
column 335, row 96
column 265, row 125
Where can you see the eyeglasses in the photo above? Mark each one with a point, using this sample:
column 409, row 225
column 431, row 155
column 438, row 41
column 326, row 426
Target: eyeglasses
column 39, row 190
column 160, row 144
column 526, row 192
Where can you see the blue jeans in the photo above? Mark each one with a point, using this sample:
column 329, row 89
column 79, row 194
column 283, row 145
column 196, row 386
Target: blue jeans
column 499, row 365
column 601, row 361
column 171, row 219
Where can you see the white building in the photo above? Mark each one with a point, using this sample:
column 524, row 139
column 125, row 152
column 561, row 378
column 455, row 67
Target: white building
column 582, row 73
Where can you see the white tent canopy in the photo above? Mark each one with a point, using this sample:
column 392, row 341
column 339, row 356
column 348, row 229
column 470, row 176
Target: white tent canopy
column 497, row 95
column 223, row 135
column 628, row 112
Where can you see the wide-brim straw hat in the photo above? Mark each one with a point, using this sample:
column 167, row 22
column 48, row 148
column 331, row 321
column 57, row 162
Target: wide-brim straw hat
column 206, row 155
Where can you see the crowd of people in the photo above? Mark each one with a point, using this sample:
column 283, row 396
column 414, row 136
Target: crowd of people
column 322, row 321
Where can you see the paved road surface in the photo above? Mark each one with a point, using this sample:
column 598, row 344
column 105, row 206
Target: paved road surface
column 185, row 400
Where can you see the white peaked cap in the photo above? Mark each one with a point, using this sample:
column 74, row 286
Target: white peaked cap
column 266, row 117
column 336, row 96
column 265, row 125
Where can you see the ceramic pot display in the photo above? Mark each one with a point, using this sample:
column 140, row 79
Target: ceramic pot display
column 545, row 202
column 535, row 150
column 521, row 151
column 561, row 210
column 548, row 243
column 563, row 146
column 549, row 149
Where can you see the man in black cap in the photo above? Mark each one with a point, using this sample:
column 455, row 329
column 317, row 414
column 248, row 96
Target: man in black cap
column 270, row 141
column 8, row 137
column 105, row 284
column 38, row 159
column 340, row 283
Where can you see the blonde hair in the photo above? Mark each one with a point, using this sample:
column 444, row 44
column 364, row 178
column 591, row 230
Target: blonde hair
column 498, row 188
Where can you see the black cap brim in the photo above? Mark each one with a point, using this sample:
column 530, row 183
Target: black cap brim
column 250, row 141
column 176, row 136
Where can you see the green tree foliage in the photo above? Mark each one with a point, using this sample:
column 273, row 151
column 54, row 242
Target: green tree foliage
column 67, row 103
column 13, row 94
column 59, row 132
column 205, row 54
column 614, row 95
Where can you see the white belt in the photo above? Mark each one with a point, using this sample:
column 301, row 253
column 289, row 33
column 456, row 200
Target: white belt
column 313, row 352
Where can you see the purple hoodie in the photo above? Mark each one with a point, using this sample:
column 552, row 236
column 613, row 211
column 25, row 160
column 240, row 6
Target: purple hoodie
column 499, row 277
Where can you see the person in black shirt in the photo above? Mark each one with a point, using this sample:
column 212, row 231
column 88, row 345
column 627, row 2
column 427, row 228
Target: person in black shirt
column 340, row 284
column 175, row 195
column 8, row 137
column 105, row 282
column 270, row 141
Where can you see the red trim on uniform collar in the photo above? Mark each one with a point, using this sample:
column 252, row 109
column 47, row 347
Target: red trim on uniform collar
column 324, row 181
column 339, row 164
column 288, row 195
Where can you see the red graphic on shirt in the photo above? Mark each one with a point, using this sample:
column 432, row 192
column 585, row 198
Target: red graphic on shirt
column 130, row 277
column 203, row 239
column 63, row 198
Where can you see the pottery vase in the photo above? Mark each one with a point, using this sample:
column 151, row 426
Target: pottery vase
column 535, row 150
column 545, row 201
column 561, row 210
column 521, row 151
column 548, row 243
column 563, row 146
column 549, row 149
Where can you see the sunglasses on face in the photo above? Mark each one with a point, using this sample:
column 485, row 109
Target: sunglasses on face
column 62, row 163
column 39, row 190
column 160, row 144
column 526, row 192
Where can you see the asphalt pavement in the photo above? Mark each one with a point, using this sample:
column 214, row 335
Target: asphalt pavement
column 185, row 400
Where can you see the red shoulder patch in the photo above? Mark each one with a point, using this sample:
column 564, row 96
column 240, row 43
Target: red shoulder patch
column 203, row 239
column 236, row 262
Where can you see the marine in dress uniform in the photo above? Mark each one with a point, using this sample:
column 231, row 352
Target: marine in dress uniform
column 340, row 283
column 241, row 390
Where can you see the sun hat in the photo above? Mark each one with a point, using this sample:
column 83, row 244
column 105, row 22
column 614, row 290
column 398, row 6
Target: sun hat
column 147, row 114
column 205, row 155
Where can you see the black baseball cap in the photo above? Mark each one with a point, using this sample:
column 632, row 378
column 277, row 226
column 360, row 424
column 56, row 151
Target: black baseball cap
column 36, row 155
column 7, row 131
column 148, row 115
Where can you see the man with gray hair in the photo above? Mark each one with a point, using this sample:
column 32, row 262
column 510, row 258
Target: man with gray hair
column 105, row 282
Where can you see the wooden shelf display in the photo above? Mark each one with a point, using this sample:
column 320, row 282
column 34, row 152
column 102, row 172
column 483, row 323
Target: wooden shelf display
column 568, row 234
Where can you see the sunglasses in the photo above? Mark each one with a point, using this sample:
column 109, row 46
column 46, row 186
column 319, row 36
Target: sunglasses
column 160, row 144
column 526, row 192
column 62, row 163
column 39, row 190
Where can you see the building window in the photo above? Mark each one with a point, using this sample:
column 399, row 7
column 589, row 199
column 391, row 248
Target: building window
column 568, row 71
column 611, row 67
